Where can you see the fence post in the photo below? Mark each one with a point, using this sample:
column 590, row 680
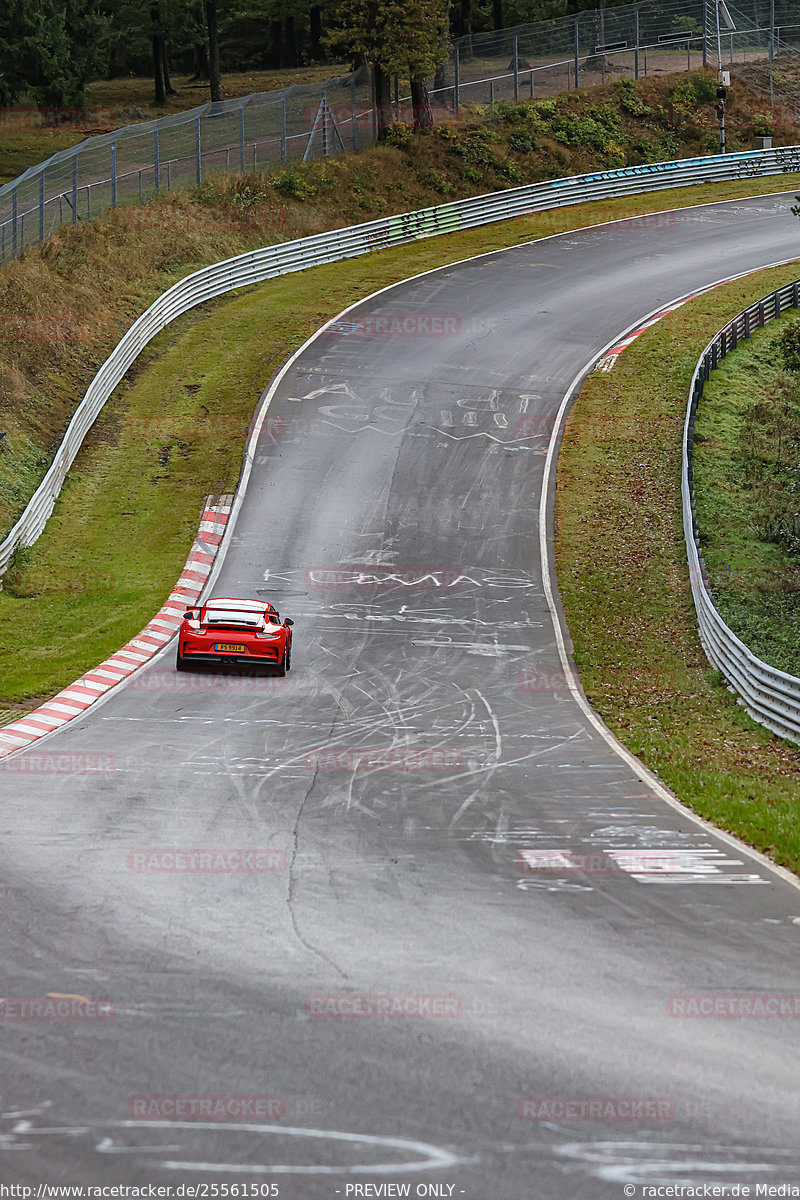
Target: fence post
column 354, row 114
column 114, row 174
column 198, row 165
column 636, row 47
column 374, row 103
column 41, row 206
column 241, row 139
column 156, row 171
column 577, row 54
column 14, row 222
column 74, row 189
column 516, row 69
column 283, row 131
column 705, row 33
column 456, row 80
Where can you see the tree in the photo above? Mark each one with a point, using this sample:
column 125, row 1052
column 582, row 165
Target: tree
column 49, row 48
column 212, row 27
column 395, row 38
column 163, row 86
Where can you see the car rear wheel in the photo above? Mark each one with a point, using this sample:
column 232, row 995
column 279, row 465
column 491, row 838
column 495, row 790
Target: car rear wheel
column 289, row 657
column 283, row 665
column 180, row 662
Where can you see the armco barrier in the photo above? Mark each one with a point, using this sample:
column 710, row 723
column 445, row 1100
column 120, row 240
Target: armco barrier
column 266, row 130
column 270, row 261
column 770, row 696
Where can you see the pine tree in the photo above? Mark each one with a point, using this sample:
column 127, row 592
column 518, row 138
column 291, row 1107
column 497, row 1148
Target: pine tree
column 396, row 39
column 50, row 48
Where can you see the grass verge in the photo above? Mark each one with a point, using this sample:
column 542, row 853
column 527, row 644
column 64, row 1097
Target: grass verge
column 745, row 461
column 624, row 582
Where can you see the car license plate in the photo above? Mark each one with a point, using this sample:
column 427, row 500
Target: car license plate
column 230, row 649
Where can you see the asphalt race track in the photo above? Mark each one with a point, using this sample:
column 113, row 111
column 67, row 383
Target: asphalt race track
column 453, row 842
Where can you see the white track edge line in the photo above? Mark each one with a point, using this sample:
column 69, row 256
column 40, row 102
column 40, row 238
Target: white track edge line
column 570, row 672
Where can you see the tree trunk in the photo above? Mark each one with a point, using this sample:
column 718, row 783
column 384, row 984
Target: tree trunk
column 158, row 60
column 168, row 88
column 315, row 23
column 275, row 43
column 200, row 64
column 289, row 43
column 383, row 100
column 497, row 14
column 117, row 60
column 214, row 76
column 466, row 21
column 421, row 104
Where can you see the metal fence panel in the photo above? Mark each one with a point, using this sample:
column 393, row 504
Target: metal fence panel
column 770, row 696
column 268, row 129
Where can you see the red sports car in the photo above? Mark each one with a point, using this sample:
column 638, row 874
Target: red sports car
column 235, row 631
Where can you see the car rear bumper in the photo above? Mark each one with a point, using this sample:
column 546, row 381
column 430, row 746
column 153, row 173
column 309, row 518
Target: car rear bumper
column 267, row 656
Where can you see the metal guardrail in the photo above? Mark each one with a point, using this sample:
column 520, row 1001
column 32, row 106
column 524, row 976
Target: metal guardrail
column 270, row 261
column 267, row 130
column 770, row 696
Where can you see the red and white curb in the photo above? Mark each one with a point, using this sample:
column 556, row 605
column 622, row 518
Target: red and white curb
column 81, row 694
column 608, row 360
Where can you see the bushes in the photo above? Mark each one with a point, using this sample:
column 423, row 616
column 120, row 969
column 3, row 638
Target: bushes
column 694, row 90
column 399, row 134
column 625, row 87
column 788, row 344
column 597, row 128
column 292, row 184
column 474, row 148
column 523, row 142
